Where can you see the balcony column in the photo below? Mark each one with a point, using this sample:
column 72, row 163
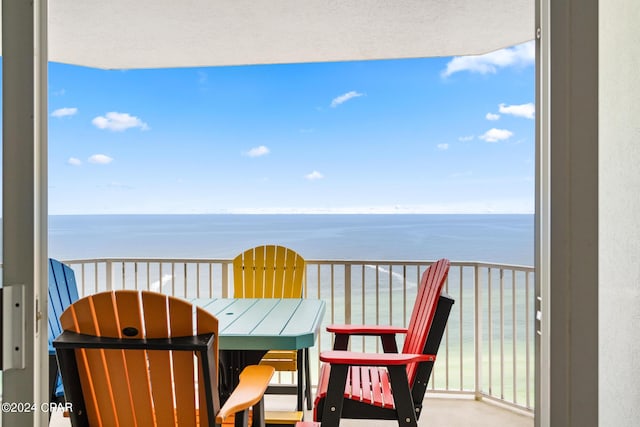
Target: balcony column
column 567, row 232
column 24, row 206
column 594, row 209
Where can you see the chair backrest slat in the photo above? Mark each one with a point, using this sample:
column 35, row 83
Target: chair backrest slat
column 94, row 378
column 181, row 323
column 260, row 281
column 156, row 325
column 280, row 261
column 107, row 316
column 63, row 292
column 429, row 290
column 135, row 362
column 271, row 270
column 293, row 275
column 268, row 271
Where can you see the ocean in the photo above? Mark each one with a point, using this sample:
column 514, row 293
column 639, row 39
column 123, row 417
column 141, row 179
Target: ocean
column 490, row 238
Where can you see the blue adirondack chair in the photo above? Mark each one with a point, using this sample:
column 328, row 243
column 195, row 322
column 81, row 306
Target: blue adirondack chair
column 63, row 291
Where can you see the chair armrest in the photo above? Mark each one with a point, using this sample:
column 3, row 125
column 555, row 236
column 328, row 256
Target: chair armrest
column 387, row 335
column 366, row 329
column 72, row 340
column 373, row 359
column 254, row 380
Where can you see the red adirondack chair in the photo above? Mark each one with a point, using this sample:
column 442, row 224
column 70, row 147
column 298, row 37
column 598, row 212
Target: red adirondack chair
column 387, row 385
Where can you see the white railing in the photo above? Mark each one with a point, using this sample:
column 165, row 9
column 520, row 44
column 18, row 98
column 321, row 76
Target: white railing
column 487, row 349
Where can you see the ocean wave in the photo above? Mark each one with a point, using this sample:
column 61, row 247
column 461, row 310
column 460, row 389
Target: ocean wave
column 158, row 284
column 397, row 279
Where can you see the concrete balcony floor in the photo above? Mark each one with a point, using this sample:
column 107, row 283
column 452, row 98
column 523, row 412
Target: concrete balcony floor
column 437, row 412
column 459, row 412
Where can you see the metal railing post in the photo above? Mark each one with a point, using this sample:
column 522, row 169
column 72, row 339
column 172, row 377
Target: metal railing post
column 347, row 294
column 225, row 280
column 109, row 275
column 477, row 332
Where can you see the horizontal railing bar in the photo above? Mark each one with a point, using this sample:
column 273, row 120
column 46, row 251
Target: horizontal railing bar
column 469, row 264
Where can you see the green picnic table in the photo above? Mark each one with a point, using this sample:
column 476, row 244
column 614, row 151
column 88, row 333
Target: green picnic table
column 248, row 328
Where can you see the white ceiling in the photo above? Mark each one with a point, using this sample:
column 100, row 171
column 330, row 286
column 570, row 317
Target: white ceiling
column 178, row 33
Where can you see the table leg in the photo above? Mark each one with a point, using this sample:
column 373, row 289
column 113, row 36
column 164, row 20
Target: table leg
column 300, row 367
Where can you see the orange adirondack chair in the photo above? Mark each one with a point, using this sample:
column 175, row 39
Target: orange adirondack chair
column 389, row 385
column 135, row 358
column 272, row 271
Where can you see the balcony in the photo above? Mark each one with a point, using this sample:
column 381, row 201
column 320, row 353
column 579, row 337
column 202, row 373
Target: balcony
column 487, row 353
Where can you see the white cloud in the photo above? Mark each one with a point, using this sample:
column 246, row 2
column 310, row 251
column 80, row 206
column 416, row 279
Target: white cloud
column 119, row 122
column 315, row 175
column 74, row 161
column 443, row 147
column 64, row 112
column 491, row 116
column 344, row 98
column 257, row 151
column 528, row 111
column 495, row 135
column 521, row 55
column 60, row 92
column 466, row 138
column 101, row 159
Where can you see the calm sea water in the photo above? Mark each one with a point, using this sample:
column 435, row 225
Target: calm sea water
column 492, row 238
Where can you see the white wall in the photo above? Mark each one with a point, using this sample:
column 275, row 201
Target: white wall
column 619, row 213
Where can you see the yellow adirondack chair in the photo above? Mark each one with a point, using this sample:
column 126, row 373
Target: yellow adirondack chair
column 136, row 358
column 273, row 271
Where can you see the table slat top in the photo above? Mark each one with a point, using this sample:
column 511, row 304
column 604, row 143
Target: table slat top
column 266, row 323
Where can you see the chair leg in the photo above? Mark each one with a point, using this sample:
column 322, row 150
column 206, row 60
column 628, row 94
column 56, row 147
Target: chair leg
column 402, row 396
column 334, row 399
column 307, row 379
column 258, row 414
column 53, row 379
column 241, row 419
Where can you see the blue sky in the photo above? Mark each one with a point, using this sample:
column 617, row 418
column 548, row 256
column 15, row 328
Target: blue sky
column 441, row 135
